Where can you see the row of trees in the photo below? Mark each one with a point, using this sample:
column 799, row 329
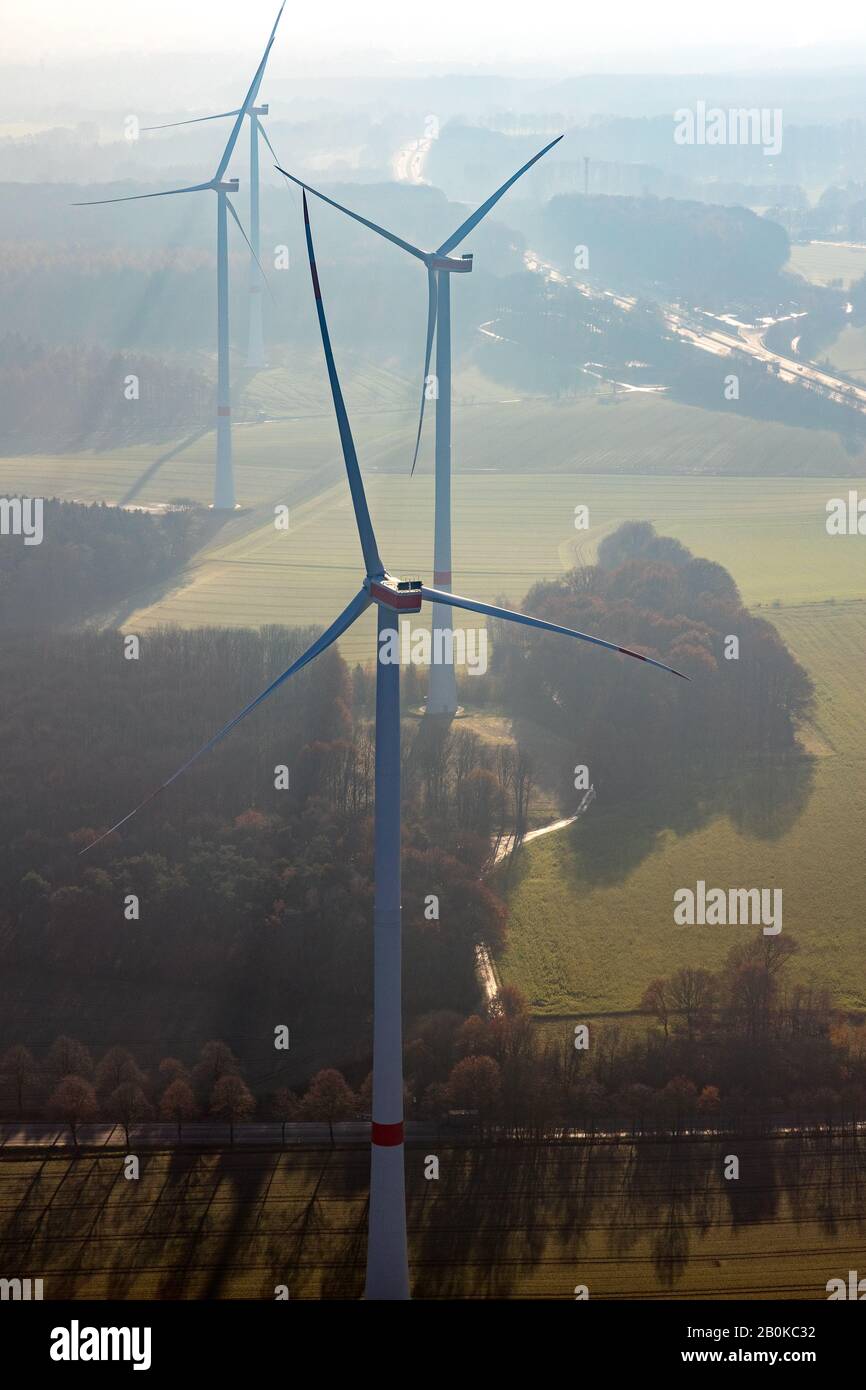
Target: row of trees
column 739, row 1046
column 744, row 1045
column 68, row 1086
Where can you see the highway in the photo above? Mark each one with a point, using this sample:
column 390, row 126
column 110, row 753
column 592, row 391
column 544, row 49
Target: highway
column 704, row 331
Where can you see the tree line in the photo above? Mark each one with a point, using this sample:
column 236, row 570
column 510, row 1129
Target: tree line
column 70, row 1086
column 743, row 1047
column 91, row 558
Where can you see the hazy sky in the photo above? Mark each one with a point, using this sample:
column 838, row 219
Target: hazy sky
column 479, row 31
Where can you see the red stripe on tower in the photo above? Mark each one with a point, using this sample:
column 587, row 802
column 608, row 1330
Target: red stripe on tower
column 224, row 410
column 442, row 577
column 386, row 1136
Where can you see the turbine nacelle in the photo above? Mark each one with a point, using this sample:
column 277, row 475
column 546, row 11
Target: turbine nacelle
column 403, row 595
column 225, row 185
column 450, row 263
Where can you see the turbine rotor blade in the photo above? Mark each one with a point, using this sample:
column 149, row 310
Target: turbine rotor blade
column 370, row 550
column 248, row 101
column 137, row 197
column 432, row 304
column 240, row 225
column 359, row 603
column 192, row 120
column 264, row 135
column 356, row 216
column 472, row 221
column 509, row 615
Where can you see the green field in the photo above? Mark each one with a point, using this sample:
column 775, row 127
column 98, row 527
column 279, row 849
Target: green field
column 495, row 430
column 629, row 1221
column 848, row 352
column 823, row 262
column 510, row 532
column 575, row 947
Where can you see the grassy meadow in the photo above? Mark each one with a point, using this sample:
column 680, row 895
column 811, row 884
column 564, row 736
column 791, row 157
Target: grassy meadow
column 581, row 946
column 509, row 533
column 848, row 352
column 824, row 262
column 291, row 435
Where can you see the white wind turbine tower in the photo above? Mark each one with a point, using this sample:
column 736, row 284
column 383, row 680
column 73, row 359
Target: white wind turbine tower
column 254, row 113
column 224, row 484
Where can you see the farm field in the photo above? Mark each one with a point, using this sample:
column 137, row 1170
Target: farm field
column 292, row 436
column 509, row 533
column 576, row 946
column 825, row 261
column 653, row 1220
column 269, row 457
column 848, row 352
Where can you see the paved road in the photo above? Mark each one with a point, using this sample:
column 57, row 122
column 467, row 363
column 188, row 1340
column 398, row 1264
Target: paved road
column 196, row 1132
column 268, row 1134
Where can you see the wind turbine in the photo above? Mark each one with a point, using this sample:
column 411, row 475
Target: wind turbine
column 224, row 484
column 441, row 265
column 387, row 1261
column 255, row 340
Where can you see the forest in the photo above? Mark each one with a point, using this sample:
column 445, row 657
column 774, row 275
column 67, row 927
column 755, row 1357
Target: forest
column 91, row 558
column 687, row 744
column 688, row 1065
column 695, row 250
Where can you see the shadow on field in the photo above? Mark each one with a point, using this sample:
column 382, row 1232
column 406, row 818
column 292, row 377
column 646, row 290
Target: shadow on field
column 611, row 840
column 152, row 469
column 639, row 1220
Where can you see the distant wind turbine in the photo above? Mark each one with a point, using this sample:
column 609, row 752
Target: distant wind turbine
column 387, row 1260
column 224, row 484
column 441, row 265
column 256, row 339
